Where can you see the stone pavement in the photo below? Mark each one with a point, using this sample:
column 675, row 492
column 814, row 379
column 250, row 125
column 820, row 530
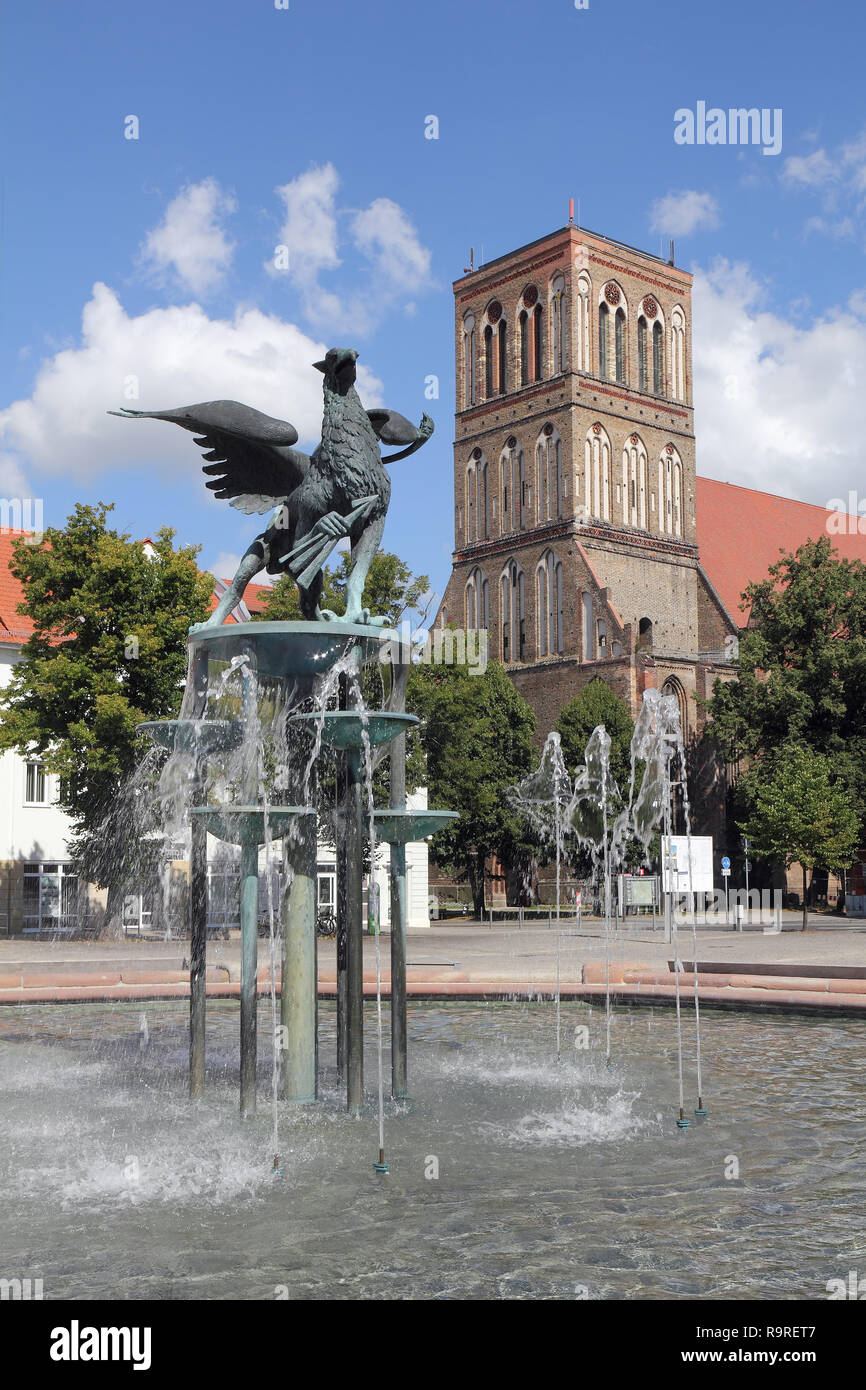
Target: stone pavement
column 824, row 967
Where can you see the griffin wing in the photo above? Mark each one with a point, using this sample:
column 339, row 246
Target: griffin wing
column 393, row 428
column 250, row 458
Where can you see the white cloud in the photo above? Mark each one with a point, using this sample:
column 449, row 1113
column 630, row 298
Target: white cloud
column 309, row 228
column 680, row 214
column 813, row 170
column 387, row 238
column 173, row 357
column 777, row 407
column 398, row 263
column 190, row 242
column 838, row 180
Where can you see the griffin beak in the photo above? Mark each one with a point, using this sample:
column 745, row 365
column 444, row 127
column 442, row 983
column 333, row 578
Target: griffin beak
column 321, row 366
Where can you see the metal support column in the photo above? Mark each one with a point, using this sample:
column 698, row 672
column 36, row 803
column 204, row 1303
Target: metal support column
column 198, row 898
column 299, row 998
column 399, row 1063
column 354, row 840
column 249, row 964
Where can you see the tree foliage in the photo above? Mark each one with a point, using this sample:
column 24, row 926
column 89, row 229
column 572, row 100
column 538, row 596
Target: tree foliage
column 801, row 812
column 801, row 666
column 597, row 704
column 391, row 590
column 477, row 735
column 108, row 651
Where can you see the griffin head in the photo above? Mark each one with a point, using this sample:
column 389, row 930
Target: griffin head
column 338, row 366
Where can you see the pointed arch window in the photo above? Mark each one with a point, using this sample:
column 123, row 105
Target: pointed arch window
column 477, row 604
column 469, row 393
column 470, row 499
column 678, row 355
column 641, row 354
column 559, row 324
column 584, row 355
column 488, row 362
column 512, row 601
column 619, row 341
column 523, row 328
column 503, row 358
column 548, row 583
column 537, row 343
column 603, row 335
column 658, row 360
column 550, row 482
column 597, row 466
column 483, row 511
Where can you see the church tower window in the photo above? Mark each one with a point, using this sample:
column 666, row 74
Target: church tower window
column 603, row 316
column 619, row 336
column 468, row 360
column 658, row 360
column 513, row 613
column 641, row 354
column 559, row 324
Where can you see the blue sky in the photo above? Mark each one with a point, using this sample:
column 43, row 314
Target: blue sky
column 327, row 102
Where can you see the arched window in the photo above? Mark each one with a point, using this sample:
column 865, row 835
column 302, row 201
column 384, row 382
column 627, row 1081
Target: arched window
column 678, row 354
column 515, row 491
column 658, row 360
column 670, row 492
column 477, row 606
column 619, row 336
column 503, row 358
column 488, row 362
column 634, row 482
column 512, row 607
column 584, row 354
column 523, row 329
column 559, row 324
column 641, row 354
column 645, row 635
column 587, row 608
column 471, row 484
column 674, row 687
column 601, row 637
column 537, row 343
column 603, row 316
column 550, row 482
column 597, row 467
column 548, row 584
column 483, row 513
column 469, row 394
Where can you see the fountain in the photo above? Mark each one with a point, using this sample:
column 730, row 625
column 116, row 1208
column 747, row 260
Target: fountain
column 306, row 665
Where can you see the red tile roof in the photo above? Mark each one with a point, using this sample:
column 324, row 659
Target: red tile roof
column 741, row 532
column 15, row 628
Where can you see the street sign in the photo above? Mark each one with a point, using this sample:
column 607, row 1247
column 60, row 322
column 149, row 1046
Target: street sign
column 726, row 863
column 726, row 873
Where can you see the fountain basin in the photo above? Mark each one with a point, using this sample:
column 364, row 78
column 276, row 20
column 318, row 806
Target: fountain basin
column 293, row 649
column 404, row 827
column 200, row 737
column 346, row 728
column 245, row 825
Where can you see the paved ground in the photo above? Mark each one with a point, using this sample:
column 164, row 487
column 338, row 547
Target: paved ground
column 502, row 953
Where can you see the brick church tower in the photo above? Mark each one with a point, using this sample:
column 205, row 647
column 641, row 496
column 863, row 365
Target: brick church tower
column 574, row 475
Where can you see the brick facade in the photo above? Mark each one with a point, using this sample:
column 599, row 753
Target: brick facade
column 574, row 476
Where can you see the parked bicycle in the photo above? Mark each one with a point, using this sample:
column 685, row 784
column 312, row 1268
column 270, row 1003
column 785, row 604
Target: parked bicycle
column 326, row 922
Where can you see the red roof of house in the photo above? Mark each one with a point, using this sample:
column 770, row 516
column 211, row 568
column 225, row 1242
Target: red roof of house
column 741, row 533
column 15, row 628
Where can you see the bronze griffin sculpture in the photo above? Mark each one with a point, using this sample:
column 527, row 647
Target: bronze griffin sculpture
column 341, row 489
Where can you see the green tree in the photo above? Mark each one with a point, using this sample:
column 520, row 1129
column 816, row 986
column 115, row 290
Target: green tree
column 391, row 590
column 801, row 666
column 801, row 813
column 108, row 651
column 477, row 736
column 597, row 704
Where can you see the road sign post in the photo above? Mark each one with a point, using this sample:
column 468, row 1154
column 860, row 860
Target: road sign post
column 726, row 875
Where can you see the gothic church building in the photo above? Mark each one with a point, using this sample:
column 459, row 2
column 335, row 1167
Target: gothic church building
column 574, row 476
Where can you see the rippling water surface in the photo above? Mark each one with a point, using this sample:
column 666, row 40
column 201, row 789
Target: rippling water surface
column 554, row 1181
